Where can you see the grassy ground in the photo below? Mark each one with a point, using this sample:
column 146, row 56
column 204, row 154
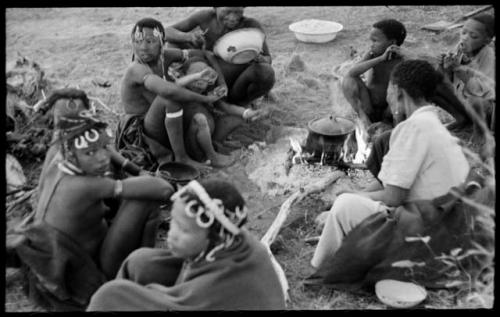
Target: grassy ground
column 89, row 43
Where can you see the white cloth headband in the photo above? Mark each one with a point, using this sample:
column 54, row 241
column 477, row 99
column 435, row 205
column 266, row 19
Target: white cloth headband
column 217, row 210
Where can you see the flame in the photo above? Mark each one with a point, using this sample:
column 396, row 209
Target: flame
column 364, row 147
column 297, row 148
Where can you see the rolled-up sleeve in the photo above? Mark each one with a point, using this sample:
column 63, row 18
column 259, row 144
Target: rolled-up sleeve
column 407, row 151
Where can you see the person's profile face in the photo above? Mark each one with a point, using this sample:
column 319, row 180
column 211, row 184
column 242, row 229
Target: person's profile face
column 473, row 36
column 230, row 17
column 95, row 159
column 147, row 44
column 379, row 42
column 394, row 103
column 185, row 238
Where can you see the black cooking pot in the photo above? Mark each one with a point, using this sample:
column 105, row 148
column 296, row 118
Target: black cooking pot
column 327, row 135
column 177, row 173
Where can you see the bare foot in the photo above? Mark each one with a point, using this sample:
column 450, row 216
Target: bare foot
column 221, row 148
column 202, row 167
column 220, row 160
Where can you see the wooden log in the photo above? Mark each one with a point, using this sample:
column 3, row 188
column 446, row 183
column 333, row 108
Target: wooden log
column 278, row 222
column 285, row 209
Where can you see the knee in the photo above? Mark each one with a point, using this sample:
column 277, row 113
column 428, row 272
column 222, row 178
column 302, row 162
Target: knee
column 264, row 74
column 342, row 205
column 103, row 297
column 200, row 121
column 349, row 86
column 137, row 260
column 170, row 105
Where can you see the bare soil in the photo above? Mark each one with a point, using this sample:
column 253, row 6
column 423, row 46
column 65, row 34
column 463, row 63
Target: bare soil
column 76, row 46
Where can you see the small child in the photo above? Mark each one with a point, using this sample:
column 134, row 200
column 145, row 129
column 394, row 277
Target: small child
column 200, row 120
column 211, row 263
column 70, row 247
column 471, row 68
column 369, row 98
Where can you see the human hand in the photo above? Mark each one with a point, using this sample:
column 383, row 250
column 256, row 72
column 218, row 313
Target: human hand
column 209, row 75
column 198, row 38
column 391, row 52
column 251, row 115
column 450, row 61
column 220, row 91
column 262, row 59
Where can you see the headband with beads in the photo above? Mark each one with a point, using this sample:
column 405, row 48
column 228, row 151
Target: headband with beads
column 213, row 210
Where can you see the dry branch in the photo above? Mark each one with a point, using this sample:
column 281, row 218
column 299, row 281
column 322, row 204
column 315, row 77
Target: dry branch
column 278, row 222
column 285, row 209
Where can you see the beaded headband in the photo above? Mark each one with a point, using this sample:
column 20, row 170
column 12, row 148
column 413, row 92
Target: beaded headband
column 212, row 210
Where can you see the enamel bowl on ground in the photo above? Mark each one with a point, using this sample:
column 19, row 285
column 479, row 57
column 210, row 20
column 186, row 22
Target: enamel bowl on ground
column 315, row 31
column 240, row 46
column 399, row 294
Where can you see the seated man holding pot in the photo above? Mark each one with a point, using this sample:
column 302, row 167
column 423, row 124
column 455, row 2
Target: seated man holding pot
column 245, row 82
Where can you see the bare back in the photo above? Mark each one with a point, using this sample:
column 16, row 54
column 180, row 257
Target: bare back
column 78, row 212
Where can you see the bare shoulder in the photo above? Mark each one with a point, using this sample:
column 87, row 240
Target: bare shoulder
column 203, row 16
column 135, row 73
column 251, row 23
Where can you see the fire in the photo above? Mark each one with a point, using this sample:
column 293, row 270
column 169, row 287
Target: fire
column 364, row 148
column 297, row 149
column 358, row 140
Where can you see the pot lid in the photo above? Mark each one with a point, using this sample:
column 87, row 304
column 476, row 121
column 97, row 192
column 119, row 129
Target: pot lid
column 331, row 126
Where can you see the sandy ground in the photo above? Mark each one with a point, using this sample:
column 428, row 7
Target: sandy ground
column 78, row 45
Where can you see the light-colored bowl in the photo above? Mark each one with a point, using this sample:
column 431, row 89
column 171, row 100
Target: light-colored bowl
column 315, row 31
column 399, row 294
column 240, row 46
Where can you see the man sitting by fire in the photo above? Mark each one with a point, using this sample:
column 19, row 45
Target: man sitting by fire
column 423, row 162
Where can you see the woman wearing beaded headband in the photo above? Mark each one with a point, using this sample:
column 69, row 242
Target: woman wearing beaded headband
column 211, row 262
column 86, row 221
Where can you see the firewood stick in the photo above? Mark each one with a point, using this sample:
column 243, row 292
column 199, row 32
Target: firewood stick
column 285, row 209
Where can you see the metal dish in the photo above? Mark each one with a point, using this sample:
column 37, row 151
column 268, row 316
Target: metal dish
column 315, row 31
column 240, row 46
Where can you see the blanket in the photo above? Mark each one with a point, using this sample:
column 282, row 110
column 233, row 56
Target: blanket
column 241, row 277
column 408, row 244
column 62, row 275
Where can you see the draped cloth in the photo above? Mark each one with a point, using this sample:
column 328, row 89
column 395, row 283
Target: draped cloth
column 241, row 278
column 61, row 275
column 368, row 252
column 131, row 142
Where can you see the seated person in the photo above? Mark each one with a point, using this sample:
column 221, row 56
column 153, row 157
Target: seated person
column 199, row 123
column 423, row 161
column 69, row 245
column 245, row 82
column 368, row 98
column 471, row 68
column 147, row 82
column 211, row 263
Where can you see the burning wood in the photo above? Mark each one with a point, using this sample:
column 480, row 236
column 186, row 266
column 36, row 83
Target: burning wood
column 297, row 149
